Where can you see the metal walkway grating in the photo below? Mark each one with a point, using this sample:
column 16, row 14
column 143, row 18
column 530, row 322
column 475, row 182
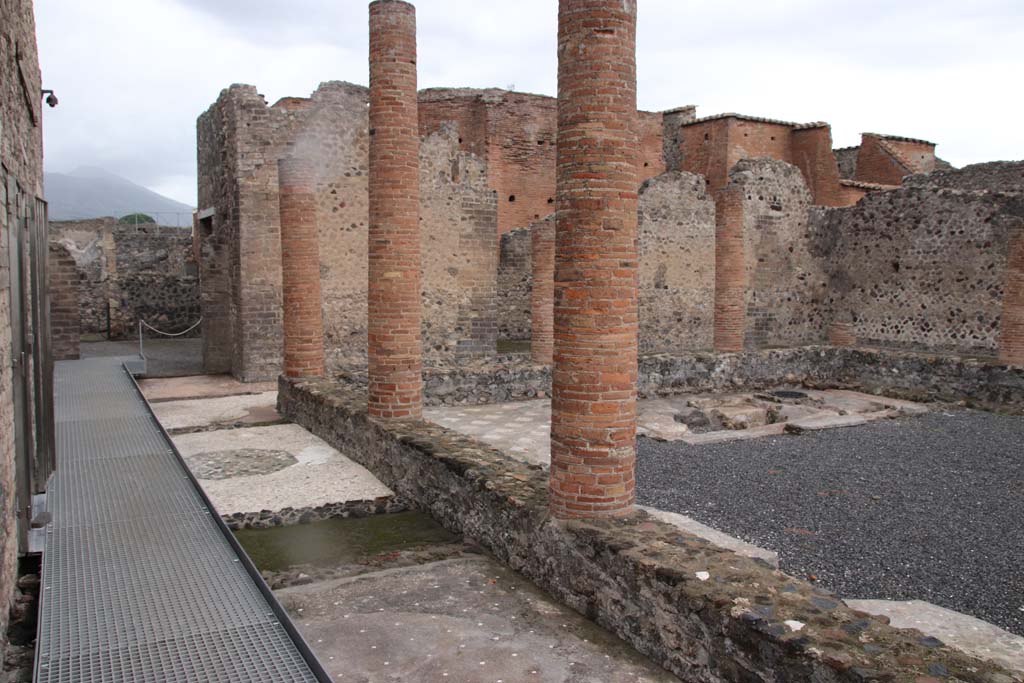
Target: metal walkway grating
column 141, row 580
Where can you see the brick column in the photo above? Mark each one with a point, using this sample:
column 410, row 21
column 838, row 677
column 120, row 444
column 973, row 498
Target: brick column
column 542, row 292
column 1011, row 337
column 300, row 269
column 730, row 271
column 395, row 343
column 594, row 377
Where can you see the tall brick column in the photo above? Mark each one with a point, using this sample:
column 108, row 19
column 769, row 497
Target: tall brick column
column 593, row 415
column 730, row 271
column 395, row 343
column 1011, row 337
column 300, row 269
column 542, row 292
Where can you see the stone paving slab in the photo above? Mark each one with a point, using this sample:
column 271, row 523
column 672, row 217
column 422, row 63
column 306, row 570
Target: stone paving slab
column 463, row 620
column 964, row 632
column 273, row 468
column 820, row 422
column 227, row 411
column 199, row 386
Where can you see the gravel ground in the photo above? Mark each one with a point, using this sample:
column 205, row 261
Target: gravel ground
column 928, row 508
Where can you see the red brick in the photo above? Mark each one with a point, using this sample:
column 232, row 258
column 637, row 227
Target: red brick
column 300, row 269
column 1011, row 338
column 595, row 279
column 395, row 346
column 730, row 271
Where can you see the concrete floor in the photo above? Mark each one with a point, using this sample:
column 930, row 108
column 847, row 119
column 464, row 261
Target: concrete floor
column 273, row 468
column 161, row 389
column 465, row 620
column 247, row 410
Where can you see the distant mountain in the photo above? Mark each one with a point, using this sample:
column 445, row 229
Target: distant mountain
column 89, row 192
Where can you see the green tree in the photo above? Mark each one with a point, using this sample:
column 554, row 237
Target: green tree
column 135, row 218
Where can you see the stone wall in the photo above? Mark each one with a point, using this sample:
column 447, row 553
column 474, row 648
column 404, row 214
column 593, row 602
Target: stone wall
column 514, row 284
column 21, row 170
column 924, row 266
column 132, row 272
column 677, row 263
column 704, row 613
column 65, row 314
column 240, row 140
column 786, row 281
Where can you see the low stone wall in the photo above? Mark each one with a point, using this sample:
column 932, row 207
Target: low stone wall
column 902, row 374
column 703, row 613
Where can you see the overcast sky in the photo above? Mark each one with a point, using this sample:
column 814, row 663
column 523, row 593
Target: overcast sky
column 133, row 75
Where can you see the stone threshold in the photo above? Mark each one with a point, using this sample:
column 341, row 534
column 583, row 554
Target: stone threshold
column 702, row 612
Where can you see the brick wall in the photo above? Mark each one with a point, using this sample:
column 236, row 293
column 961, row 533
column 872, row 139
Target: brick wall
column 514, row 284
column 21, row 169
column 713, row 146
column 514, row 133
column 925, row 265
column 887, row 159
column 65, row 283
column 131, row 272
column 1011, row 334
column 240, row 139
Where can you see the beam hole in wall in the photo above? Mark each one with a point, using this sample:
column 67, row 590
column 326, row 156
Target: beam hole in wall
column 512, row 198
column 551, row 200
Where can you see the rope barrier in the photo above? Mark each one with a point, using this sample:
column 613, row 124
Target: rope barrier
column 168, row 334
column 161, row 332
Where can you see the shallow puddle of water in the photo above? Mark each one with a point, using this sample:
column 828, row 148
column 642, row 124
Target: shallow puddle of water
column 340, row 541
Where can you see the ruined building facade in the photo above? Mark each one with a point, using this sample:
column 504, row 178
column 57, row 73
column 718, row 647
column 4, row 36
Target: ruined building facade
column 241, row 139
column 805, row 261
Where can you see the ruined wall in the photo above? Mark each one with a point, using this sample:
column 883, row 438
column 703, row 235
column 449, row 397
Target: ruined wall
column 21, row 179
column 514, row 285
column 924, row 266
column 712, row 146
column 131, row 272
column 458, row 219
column 887, row 159
column 786, row 280
column 651, row 136
column 677, row 263
column 64, row 282
column 240, row 140
column 514, row 133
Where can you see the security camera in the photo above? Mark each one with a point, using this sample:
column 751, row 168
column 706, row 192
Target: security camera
column 51, row 99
